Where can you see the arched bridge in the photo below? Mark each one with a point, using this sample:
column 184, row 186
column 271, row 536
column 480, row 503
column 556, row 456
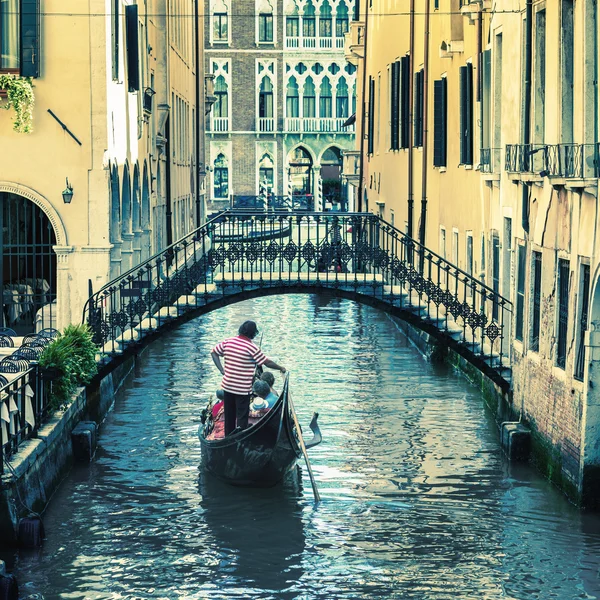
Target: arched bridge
column 242, row 254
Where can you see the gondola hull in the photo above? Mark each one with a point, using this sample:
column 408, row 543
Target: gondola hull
column 259, row 456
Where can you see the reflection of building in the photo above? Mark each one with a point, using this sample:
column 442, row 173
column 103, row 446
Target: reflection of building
column 481, row 139
column 284, row 93
column 118, row 124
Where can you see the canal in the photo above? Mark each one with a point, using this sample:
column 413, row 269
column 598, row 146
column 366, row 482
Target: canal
column 418, row 500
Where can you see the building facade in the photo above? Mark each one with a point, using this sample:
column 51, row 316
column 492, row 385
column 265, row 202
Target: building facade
column 283, row 95
column 480, row 139
column 117, row 124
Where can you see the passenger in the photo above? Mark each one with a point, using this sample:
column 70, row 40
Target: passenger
column 270, row 379
column 242, row 357
column 266, row 398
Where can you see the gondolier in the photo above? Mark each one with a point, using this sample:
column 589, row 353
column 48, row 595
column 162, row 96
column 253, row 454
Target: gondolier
column 241, row 357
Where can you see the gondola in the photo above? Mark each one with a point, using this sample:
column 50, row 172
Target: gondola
column 262, row 454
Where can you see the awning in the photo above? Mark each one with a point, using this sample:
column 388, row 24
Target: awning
column 350, row 120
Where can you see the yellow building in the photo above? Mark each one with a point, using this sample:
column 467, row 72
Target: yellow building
column 478, row 134
column 115, row 87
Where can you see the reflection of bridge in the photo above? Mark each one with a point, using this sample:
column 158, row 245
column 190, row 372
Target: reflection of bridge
column 241, row 255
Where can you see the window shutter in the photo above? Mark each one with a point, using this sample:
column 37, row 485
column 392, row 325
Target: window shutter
column 30, row 38
column 469, row 123
column 394, row 100
column 131, row 32
column 439, row 122
column 115, row 39
column 405, row 99
column 466, row 114
column 418, row 109
column 371, row 115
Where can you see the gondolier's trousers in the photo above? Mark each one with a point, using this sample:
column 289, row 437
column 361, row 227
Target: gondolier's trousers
column 236, row 411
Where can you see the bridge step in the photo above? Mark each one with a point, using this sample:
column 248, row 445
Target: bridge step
column 253, row 278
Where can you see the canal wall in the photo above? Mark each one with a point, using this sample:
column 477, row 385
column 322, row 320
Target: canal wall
column 41, row 463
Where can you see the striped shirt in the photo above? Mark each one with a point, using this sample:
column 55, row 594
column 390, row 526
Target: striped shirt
column 242, row 356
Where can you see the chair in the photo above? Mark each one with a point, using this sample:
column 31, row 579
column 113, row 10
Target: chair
column 49, row 333
column 29, row 352
column 7, row 331
column 30, row 338
column 13, row 365
column 6, row 341
column 3, row 381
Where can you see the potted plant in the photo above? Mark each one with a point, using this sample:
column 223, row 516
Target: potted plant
column 19, row 96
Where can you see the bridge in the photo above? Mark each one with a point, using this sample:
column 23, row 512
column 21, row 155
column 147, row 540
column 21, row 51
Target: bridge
column 242, row 254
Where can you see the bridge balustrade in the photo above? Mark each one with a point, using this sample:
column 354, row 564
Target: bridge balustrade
column 242, row 254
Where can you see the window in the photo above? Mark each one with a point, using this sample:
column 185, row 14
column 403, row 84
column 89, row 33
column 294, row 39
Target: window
column 325, row 106
column 265, row 99
column 292, row 104
column 308, row 22
column 521, row 254
column 220, row 27
column 325, row 27
column 292, row 27
column 309, row 99
column 371, row 115
column 404, row 101
column 469, row 255
column 341, row 99
column 466, row 114
column 221, row 178
column 265, row 27
column 563, row 312
column 394, row 105
column 114, row 24
column 536, row 275
column 584, row 302
column 341, row 20
column 19, row 37
column 495, row 273
column 418, row 109
column 455, row 247
column 132, row 43
column 265, row 175
column 221, row 108
column 440, row 112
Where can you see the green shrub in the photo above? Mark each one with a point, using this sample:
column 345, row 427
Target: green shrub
column 73, row 356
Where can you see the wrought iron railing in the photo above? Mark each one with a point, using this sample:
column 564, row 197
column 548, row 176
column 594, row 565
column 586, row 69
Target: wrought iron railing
column 359, row 254
column 23, row 407
column 489, row 160
column 272, row 202
column 525, row 158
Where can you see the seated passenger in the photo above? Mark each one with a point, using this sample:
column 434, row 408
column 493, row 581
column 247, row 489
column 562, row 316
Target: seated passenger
column 270, row 379
column 266, row 398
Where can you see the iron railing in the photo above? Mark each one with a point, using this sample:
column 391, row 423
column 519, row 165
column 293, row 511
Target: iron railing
column 489, row 160
column 272, row 202
column 359, row 254
column 24, row 402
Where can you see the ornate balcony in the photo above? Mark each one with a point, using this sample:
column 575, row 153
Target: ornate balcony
column 265, row 124
column 219, row 124
column 351, row 166
column 354, row 43
column 317, row 125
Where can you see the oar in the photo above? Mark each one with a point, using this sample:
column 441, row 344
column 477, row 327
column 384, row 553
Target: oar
column 303, row 448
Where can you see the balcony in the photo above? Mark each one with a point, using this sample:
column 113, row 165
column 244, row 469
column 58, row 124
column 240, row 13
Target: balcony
column 314, row 43
column 219, row 124
column 562, row 163
column 317, row 125
column 266, row 124
column 490, row 162
column 351, row 166
column 354, row 43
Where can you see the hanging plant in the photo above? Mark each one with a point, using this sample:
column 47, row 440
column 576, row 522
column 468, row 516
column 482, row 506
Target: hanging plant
column 19, row 97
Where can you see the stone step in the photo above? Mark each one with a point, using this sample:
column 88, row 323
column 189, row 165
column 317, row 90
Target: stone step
column 249, row 278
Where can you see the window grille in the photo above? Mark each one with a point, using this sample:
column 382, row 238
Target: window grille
column 537, row 301
column 563, row 312
column 584, row 292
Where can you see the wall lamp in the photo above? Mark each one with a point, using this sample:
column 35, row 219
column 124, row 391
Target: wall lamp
column 67, row 193
column 544, row 173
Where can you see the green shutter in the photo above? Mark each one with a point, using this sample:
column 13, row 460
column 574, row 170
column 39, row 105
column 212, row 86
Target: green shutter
column 132, row 43
column 30, row 38
column 439, row 122
column 405, row 99
column 371, row 115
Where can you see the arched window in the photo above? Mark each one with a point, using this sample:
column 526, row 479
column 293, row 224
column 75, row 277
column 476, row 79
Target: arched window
column 341, row 20
column 265, row 99
column 265, row 175
column 292, row 25
column 265, row 22
column 325, row 20
column 308, row 22
column 341, row 101
column 221, row 177
column 220, row 20
column 309, row 99
column 292, row 103
column 325, row 99
column 220, row 109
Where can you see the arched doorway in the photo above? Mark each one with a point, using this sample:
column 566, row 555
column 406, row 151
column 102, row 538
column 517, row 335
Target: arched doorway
column 145, row 214
column 300, row 179
column 126, row 222
column 28, row 266
column 136, row 216
column 333, row 192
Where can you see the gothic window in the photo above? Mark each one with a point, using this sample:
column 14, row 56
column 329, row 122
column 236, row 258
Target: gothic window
column 265, row 175
column 221, row 177
column 309, row 99
column 292, row 26
column 220, row 108
column 265, row 27
column 325, row 99
column 341, row 20
column 220, row 27
column 341, row 99
column 265, row 99
column 292, row 101
column 325, row 20
column 309, row 21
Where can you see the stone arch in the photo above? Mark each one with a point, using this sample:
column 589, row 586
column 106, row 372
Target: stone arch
column 21, row 190
column 136, row 199
column 145, row 212
column 126, row 201
column 115, row 205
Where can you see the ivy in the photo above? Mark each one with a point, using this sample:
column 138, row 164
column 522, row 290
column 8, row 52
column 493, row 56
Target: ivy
column 19, row 96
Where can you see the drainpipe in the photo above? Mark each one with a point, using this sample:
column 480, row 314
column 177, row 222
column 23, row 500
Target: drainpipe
column 527, row 123
column 425, row 144
column 411, row 51
column 199, row 112
column 362, row 117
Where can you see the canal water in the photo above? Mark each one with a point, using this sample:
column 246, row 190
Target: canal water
column 418, row 500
